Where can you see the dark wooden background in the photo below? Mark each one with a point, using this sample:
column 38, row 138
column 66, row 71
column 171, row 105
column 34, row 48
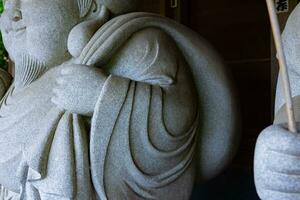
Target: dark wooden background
column 240, row 31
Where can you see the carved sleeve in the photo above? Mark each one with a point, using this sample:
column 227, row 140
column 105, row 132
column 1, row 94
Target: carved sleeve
column 144, row 125
column 143, row 135
column 152, row 57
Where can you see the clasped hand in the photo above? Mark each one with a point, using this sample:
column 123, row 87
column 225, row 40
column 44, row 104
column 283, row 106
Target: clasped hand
column 78, row 88
column 277, row 164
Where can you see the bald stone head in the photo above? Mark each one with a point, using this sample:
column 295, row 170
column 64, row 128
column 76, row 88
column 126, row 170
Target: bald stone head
column 40, row 28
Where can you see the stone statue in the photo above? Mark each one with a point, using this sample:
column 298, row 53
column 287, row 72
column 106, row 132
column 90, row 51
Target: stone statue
column 277, row 154
column 109, row 105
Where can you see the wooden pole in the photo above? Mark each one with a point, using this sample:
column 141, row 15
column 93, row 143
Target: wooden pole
column 282, row 65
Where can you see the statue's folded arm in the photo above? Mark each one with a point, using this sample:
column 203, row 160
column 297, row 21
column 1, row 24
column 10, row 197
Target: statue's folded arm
column 152, row 57
column 150, row 103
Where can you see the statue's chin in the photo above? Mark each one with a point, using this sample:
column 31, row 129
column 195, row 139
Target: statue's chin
column 13, row 54
column 15, row 47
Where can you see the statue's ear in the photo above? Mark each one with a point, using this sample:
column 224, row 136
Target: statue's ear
column 91, row 21
column 90, row 10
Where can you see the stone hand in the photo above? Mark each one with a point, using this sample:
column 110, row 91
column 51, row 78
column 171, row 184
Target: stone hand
column 78, row 88
column 277, row 164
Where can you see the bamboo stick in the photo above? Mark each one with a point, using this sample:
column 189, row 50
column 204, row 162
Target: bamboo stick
column 282, row 65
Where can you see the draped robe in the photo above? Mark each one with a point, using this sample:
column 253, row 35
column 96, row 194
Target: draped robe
column 131, row 149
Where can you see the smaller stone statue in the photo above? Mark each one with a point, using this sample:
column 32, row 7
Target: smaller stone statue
column 108, row 104
column 277, row 154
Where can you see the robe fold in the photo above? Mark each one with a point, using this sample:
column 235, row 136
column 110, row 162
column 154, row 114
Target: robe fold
column 129, row 150
column 126, row 143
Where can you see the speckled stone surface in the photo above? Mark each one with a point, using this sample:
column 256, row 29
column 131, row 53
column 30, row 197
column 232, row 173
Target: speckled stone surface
column 277, row 164
column 133, row 107
column 277, row 154
column 291, row 43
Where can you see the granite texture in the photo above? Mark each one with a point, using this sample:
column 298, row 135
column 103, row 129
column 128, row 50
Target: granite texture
column 276, row 164
column 133, row 107
column 277, row 153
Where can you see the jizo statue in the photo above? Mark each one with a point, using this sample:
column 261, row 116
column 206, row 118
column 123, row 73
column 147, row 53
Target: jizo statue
column 109, row 105
column 277, row 154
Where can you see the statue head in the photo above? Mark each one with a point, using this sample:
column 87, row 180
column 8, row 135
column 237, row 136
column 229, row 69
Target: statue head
column 52, row 31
